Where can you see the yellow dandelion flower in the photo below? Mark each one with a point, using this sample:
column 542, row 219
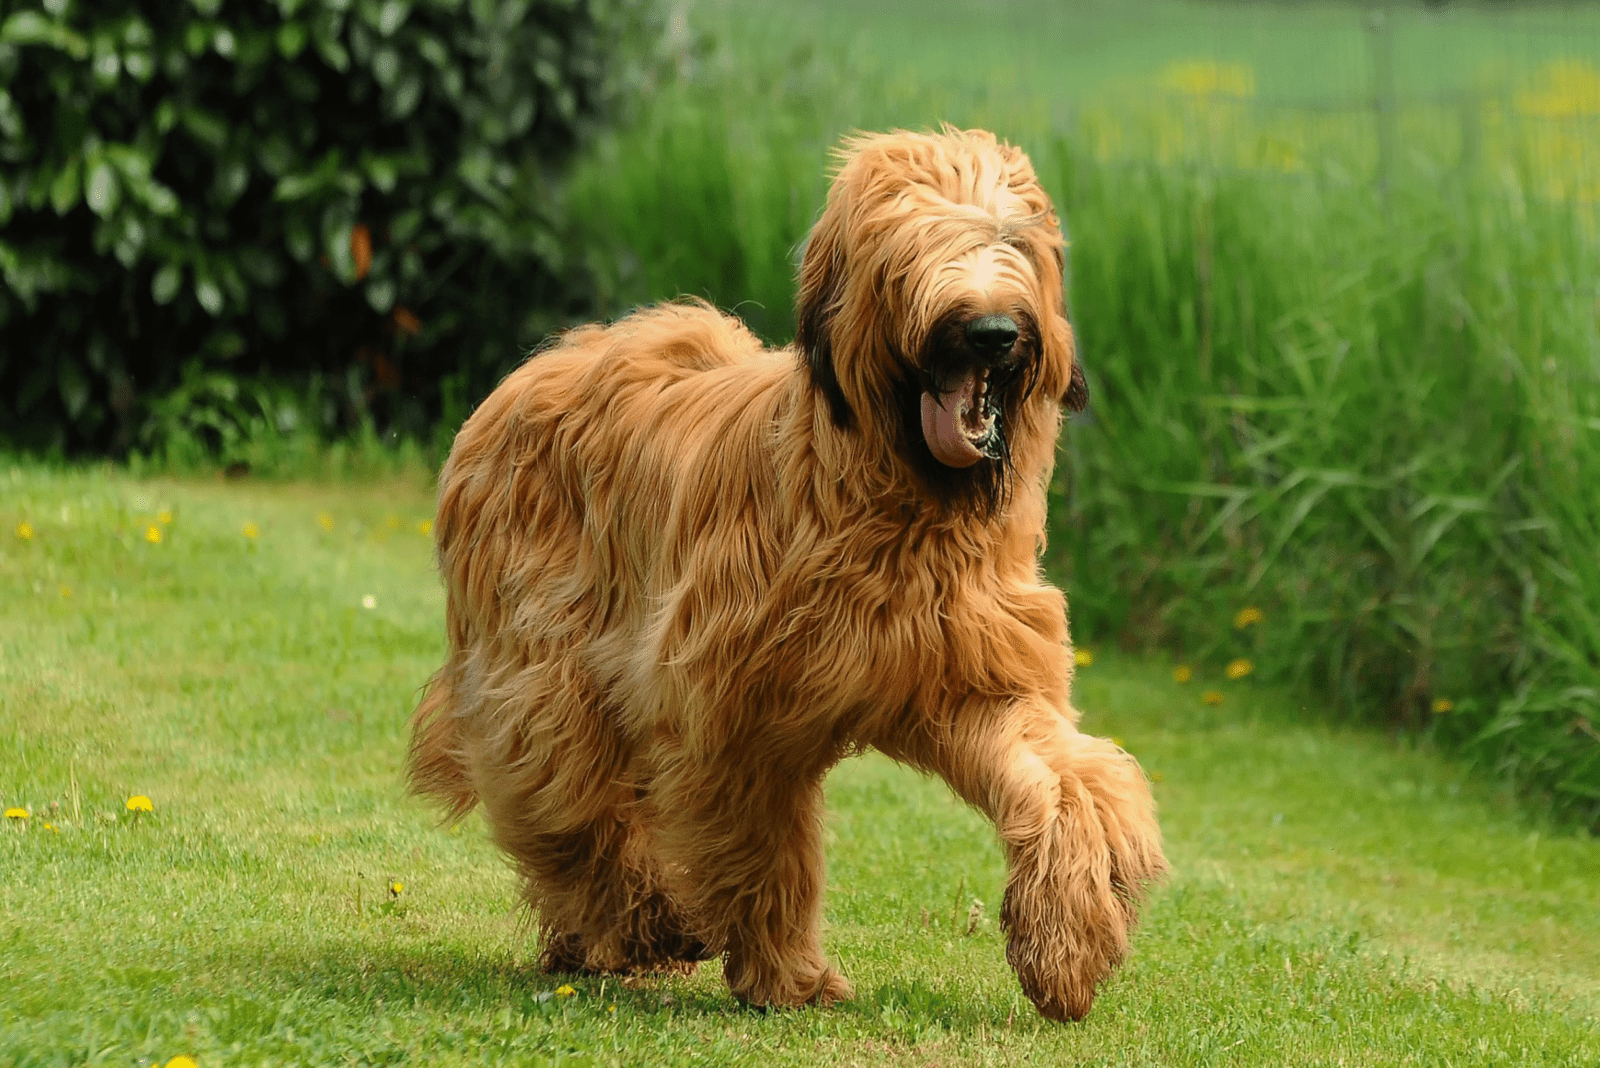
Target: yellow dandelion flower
column 396, row 888
column 16, row 813
column 1211, row 697
column 140, row 803
column 325, row 521
column 1443, row 705
column 25, row 530
column 1082, row 657
column 1238, row 669
column 1182, row 673
column 251, row 531
column 51, row 828
column 66, row 591
column 1564, row 89
column 611, row 1008
column 164, row 517
column 425, row 527
column 1246, row 617
column 565, row 991
column 152, row 534
column 182, row 1061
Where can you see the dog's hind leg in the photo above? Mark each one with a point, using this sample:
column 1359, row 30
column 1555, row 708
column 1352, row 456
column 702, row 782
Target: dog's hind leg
column 600, row 900
column 603, row 911
column 1078, row 824
column 551, row 770
column 744, row 831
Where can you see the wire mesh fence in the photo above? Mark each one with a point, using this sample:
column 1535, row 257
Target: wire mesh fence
column 1361, row 92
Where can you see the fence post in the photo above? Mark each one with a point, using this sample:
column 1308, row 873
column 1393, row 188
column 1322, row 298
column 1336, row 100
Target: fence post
column 1380, row 44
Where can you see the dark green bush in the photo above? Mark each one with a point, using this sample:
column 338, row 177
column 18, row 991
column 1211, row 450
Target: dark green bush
column 201, row 202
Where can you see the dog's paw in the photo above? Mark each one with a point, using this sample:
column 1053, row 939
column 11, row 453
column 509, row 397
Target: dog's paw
column 817, row 985
column 1060, row 976
column 834, row 988
column 1066, row 930
column 1063, row 1002
column 563, row 954
column 678, row 947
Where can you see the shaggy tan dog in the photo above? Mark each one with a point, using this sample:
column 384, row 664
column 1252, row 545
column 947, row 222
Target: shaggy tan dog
column 687, row 575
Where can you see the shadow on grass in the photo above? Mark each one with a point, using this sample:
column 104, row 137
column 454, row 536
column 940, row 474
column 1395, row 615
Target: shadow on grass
column 449, row 980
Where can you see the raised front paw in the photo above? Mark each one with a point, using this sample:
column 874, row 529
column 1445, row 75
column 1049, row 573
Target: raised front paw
column 1062, row 941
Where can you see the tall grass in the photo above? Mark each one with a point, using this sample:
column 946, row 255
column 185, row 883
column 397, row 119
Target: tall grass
column 1375, row 423
column 1372, row 415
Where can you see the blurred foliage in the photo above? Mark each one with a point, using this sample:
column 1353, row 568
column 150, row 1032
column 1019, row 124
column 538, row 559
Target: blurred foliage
column 1371, row 420
column 201, row 203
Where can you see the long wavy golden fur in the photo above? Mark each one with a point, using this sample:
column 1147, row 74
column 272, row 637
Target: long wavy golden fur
column 687, row 575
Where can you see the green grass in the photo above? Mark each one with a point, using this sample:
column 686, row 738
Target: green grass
column 1337, row 898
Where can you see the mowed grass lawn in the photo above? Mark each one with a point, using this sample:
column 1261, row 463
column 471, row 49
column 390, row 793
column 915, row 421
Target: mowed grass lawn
column 246, row 655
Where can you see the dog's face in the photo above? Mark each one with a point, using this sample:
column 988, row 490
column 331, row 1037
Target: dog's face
column 931, row 309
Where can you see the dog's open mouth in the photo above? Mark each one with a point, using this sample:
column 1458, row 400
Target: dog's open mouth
column 959, row 424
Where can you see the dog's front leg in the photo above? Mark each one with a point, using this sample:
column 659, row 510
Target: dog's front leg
column 1078, row 824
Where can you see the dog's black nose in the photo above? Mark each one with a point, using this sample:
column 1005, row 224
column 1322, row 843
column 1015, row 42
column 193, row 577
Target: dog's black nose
column 992, row 335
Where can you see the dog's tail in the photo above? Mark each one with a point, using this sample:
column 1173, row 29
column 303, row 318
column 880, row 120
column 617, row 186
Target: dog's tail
column 434, row 766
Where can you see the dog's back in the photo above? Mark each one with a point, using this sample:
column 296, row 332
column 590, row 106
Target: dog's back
column 533, row 543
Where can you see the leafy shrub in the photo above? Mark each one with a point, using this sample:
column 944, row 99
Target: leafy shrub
column 355, row 195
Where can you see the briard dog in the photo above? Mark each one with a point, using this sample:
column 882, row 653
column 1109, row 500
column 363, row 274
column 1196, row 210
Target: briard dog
column 687, row 574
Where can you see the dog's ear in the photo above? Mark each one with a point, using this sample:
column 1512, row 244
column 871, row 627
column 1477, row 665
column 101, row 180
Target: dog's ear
column 1060, row 340
column 822, row 270
column 1062, row 370
column 1076, row 398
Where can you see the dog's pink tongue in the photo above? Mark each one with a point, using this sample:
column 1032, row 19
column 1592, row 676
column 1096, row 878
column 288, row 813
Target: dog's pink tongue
column 941, row 425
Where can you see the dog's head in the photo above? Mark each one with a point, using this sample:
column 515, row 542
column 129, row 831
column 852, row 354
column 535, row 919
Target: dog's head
column 931, row 308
